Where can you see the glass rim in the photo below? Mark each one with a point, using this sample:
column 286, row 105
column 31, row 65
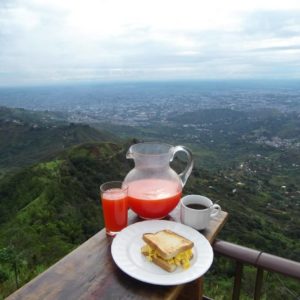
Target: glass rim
column 113, row 184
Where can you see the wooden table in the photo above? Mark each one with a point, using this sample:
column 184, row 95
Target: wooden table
column 89, row 272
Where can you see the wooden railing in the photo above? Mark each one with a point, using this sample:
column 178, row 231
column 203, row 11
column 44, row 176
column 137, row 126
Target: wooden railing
column 260, row 260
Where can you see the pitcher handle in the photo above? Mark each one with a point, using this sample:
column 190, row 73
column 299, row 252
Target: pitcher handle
column 190, row 163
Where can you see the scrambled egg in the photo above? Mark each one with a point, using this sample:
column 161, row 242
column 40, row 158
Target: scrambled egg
column 181, row 259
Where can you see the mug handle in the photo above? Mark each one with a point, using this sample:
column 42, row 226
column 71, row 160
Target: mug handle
column 215, row 210
column 190, row 163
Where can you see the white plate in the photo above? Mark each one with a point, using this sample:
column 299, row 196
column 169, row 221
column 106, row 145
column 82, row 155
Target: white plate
column 126, row 252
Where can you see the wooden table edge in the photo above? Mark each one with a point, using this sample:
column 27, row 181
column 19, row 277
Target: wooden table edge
column 23, row 292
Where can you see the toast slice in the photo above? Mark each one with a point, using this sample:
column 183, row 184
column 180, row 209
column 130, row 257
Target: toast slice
column 167, row 243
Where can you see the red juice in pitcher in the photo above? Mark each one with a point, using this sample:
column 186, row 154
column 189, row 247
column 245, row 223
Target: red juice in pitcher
column 154, row 188
column 153, row 198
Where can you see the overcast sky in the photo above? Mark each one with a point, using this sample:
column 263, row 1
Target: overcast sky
column 49, row 41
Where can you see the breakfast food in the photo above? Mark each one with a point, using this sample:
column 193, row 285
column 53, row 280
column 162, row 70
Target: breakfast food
column 168, row 249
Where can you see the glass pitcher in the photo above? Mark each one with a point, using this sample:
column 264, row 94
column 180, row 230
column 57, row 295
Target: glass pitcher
column 154, row 188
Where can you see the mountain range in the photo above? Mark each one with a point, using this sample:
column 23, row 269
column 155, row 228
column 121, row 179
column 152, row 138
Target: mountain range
column 27, row 137
column 49, row 194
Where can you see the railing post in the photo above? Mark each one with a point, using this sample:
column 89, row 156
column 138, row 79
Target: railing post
column 258, row 283
column 237, row 281
column 260, row 260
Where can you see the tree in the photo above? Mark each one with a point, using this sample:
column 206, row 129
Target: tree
column 12, row 258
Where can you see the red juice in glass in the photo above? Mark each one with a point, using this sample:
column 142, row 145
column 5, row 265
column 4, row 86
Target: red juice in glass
column 153, row 198
column 115, row 207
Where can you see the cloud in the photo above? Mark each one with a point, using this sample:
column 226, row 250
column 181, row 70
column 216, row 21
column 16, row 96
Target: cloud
column 54, row 40
column 284, row 24
column 276, row 32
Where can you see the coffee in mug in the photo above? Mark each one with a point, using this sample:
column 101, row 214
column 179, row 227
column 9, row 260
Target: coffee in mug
column 197, row 206
column 196, row 211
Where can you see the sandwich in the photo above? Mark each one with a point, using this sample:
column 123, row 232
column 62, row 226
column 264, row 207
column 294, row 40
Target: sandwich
column 167, row 250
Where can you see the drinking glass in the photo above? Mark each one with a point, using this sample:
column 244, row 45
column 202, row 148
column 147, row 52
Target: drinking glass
column 114, row 205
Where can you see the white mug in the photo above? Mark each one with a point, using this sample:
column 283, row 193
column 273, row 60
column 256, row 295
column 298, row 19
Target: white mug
column 197, row 210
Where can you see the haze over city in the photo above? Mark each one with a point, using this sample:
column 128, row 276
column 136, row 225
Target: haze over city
column 56, row 41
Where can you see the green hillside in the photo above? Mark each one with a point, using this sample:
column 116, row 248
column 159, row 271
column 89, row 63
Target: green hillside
column 27, row 137
column 20, row 115
column 51, row 207
column 48, row 209
column 50, row 204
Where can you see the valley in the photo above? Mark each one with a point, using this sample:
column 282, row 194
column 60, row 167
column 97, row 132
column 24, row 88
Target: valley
column 53, row 159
